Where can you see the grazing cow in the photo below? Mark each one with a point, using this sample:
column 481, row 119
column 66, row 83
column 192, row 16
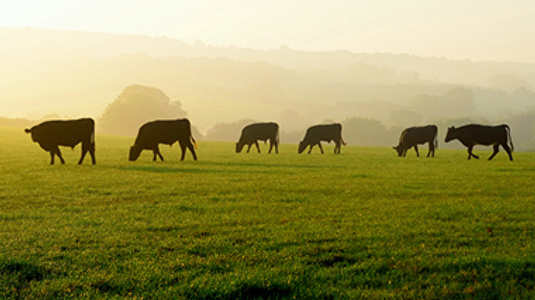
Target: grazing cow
column 471, row 135
column 250, row 135
column 315, row 134
column 167, row 132
column 413, row 136
column 52, row 134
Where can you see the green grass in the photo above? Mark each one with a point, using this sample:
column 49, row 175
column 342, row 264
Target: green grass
column 363, row 224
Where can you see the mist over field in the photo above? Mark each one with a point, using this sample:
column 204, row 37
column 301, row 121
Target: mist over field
column 68, row 74
column 128, row 222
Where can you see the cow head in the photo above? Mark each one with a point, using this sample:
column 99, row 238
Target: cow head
column 450, row 135
column 399, row 149
column 302, row 147
column 135, row 151
column 239, row 146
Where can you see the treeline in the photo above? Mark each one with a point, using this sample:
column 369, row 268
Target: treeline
column 356, row 130
column 138, row 104
column 371, row 132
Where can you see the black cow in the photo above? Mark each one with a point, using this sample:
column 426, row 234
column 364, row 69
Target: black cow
column 250, row 135
column 315, row 134
column 413, row 136
column 473, row 134
column 167, row 132
column 52, row 134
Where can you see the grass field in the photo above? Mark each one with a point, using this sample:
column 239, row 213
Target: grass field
column 363, row 224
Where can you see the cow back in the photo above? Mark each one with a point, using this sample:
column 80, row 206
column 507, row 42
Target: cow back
column 163, row 132
column 418, row 135
column 259, row 131
column 327, row 132
column 473, row 134
column 64, row 132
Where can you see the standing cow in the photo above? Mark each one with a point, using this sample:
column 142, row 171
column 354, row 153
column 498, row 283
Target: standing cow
column 315, row 134
column 413, row 136
column 52, row 134
column 473, row 134
column 167, row 132
column 250, row 135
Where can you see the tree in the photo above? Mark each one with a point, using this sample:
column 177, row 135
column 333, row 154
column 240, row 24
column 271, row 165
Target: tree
column 366, row 132
column 227, row 131
column 136, row 105
column 457, row 102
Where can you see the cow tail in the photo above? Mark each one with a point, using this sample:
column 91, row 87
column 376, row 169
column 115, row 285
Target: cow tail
column 509, row 137
column 343, row 142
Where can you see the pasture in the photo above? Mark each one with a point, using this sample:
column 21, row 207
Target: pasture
column 363, row 224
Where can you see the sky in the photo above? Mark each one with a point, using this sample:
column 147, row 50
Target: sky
column 480, row 30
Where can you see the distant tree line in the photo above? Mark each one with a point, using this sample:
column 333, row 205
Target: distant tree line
column 138, row 104
column 370, row 132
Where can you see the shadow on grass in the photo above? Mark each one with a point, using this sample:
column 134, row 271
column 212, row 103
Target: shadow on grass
column 245, row 290
column 242, row 167
column 16, row 276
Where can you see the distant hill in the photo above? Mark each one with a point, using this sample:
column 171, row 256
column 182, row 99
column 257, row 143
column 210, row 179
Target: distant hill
column 77, row 74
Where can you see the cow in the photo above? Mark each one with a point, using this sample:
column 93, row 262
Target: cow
column 252, row 133
column 413, row 136
column 151, row 134
column 52, row 134
column 474, row 134
column 315, row 134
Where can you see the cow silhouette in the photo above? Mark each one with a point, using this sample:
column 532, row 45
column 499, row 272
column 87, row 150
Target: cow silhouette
column 315, row 134
column 167, row 132
column 475, row 134
column 412, row 136
column 52, row 134
column 252, row 133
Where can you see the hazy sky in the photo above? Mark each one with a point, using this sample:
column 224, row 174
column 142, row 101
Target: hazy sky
column 497, row 30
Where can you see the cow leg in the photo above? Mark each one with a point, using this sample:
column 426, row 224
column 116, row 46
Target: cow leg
column 416, row 149
column 257, row 147
column 183, row 148
column 84, row 152
column 470, row 154
column 92, row 153
column 431, row 151
column 156, row 152
column 310, row 149
column 192, row 149
column 51, row 157
column 55, row 151
column 496, row 150
column 321, row 148
column 85, row 149
column 337, row 148
column 58, row 153
column 270, row 145
column 249, row 148
column 508, row 150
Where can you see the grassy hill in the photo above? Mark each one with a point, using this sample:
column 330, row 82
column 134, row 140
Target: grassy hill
column 361, row 224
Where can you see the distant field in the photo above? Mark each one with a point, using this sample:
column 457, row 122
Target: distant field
column 363, row 224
